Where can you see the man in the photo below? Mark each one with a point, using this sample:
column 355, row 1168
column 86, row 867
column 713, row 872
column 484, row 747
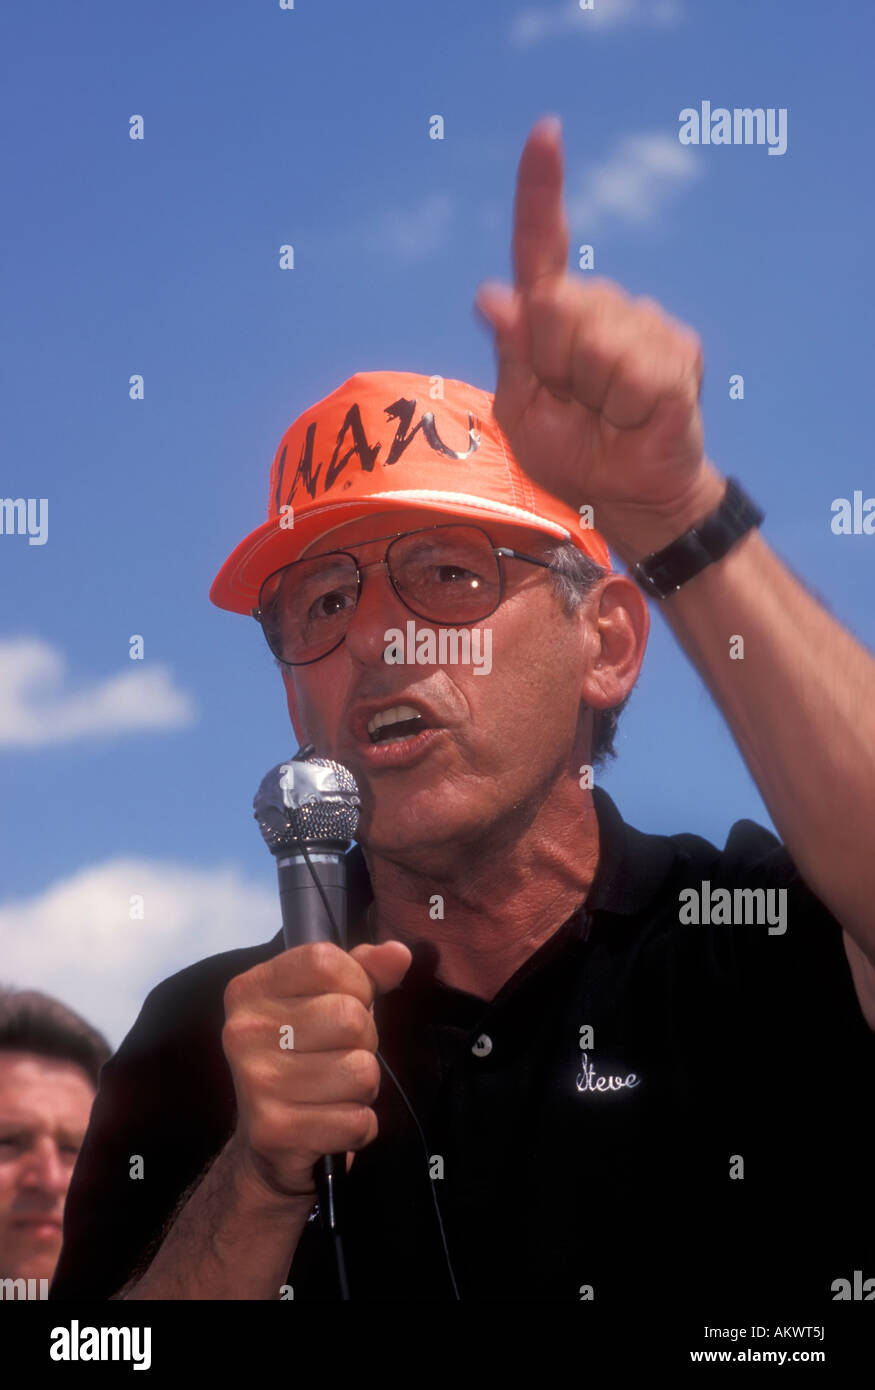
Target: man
column 50, row 1061
column 590, row 1086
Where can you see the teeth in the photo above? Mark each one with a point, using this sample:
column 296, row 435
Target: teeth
column 391, row 716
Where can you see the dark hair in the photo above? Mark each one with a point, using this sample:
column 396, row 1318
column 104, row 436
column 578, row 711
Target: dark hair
column 574, row 576
column 37, row 1023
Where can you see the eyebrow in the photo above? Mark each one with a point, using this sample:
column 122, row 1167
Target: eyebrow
column 390, row 536
column 12, row 1129
column 337, row 555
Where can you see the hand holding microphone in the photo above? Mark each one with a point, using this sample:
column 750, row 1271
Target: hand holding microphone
column 304, row 1109
column 294, row 1106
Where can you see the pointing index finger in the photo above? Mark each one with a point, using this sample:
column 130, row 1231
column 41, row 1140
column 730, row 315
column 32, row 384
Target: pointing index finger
column 540, row 230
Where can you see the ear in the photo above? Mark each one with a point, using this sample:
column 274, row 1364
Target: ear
column 615, row 629
column 292, row 702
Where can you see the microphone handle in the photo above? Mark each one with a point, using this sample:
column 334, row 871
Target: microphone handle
column 305, row 920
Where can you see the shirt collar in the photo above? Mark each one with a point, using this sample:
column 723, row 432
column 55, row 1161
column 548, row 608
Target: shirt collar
column 632, row 866
column 631, row 870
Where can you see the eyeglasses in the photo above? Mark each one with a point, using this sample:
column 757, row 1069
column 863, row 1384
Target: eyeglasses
column 445, row 574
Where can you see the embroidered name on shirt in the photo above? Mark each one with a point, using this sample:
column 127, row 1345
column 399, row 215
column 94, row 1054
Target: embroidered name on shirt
column 588, row 1081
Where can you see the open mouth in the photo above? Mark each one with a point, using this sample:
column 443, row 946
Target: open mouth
column 395, row 725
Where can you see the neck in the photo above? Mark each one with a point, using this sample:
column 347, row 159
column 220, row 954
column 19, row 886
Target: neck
column 490, row 906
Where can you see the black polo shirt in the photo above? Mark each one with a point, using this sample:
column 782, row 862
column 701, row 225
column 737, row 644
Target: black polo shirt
column 709, row 1142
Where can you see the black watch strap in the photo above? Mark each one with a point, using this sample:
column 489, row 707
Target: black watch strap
column 664, row 571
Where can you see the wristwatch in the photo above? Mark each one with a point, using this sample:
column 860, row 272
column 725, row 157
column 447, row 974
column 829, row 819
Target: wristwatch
column 664, row 571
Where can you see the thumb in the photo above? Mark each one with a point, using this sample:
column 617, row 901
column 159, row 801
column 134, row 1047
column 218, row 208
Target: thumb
column 386, row 964
column 504, row 309
column 497, row 305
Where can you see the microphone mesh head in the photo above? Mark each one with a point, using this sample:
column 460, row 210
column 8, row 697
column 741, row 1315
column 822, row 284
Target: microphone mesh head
column 313, row 799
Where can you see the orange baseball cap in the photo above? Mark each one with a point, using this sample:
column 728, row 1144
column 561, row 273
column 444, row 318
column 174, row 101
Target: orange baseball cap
column 380, row 442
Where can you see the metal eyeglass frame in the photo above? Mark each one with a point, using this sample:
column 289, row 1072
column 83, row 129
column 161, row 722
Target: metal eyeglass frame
column 503, row 552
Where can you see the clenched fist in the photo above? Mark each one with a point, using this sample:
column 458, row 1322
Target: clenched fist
column 294, row 1105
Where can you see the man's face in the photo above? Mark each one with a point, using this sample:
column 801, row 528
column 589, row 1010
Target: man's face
column 500, row 740
column 44, row 1108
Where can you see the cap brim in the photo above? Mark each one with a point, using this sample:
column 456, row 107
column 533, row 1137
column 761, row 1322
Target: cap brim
column 270, row 546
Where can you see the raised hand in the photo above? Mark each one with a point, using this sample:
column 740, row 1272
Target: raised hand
column 597, row 392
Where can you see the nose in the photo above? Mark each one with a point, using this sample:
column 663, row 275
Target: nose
column 45, row 1170
column 378, row 609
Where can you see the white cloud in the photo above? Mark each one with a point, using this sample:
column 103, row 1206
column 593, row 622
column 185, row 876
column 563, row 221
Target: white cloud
column 634, row 184
column 417, row 231
column 75, row 939
column 39, row 708
column 531, row 26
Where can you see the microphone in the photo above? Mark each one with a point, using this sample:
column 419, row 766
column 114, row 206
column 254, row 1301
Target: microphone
column 307, row 810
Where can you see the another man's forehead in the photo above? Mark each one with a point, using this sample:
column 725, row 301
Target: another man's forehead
column 32, row 1074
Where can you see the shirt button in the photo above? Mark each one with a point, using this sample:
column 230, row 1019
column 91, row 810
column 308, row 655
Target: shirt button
column 483, row 1046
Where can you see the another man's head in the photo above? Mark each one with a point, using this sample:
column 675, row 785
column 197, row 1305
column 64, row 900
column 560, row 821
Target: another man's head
column 50, row 1060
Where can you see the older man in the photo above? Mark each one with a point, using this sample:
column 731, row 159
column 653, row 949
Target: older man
column 566, row 1060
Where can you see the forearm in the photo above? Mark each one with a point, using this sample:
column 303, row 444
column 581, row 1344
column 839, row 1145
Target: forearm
column 801, row 706
column 229, row 1241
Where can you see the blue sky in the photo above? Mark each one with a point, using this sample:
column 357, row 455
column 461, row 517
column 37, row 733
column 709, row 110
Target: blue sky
column 309, row 126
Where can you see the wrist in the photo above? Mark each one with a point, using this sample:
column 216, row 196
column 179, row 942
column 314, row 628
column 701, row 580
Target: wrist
column 255, row 1194
column 636, row 531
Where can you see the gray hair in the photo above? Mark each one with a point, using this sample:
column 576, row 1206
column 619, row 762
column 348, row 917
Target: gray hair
column 574, row 576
